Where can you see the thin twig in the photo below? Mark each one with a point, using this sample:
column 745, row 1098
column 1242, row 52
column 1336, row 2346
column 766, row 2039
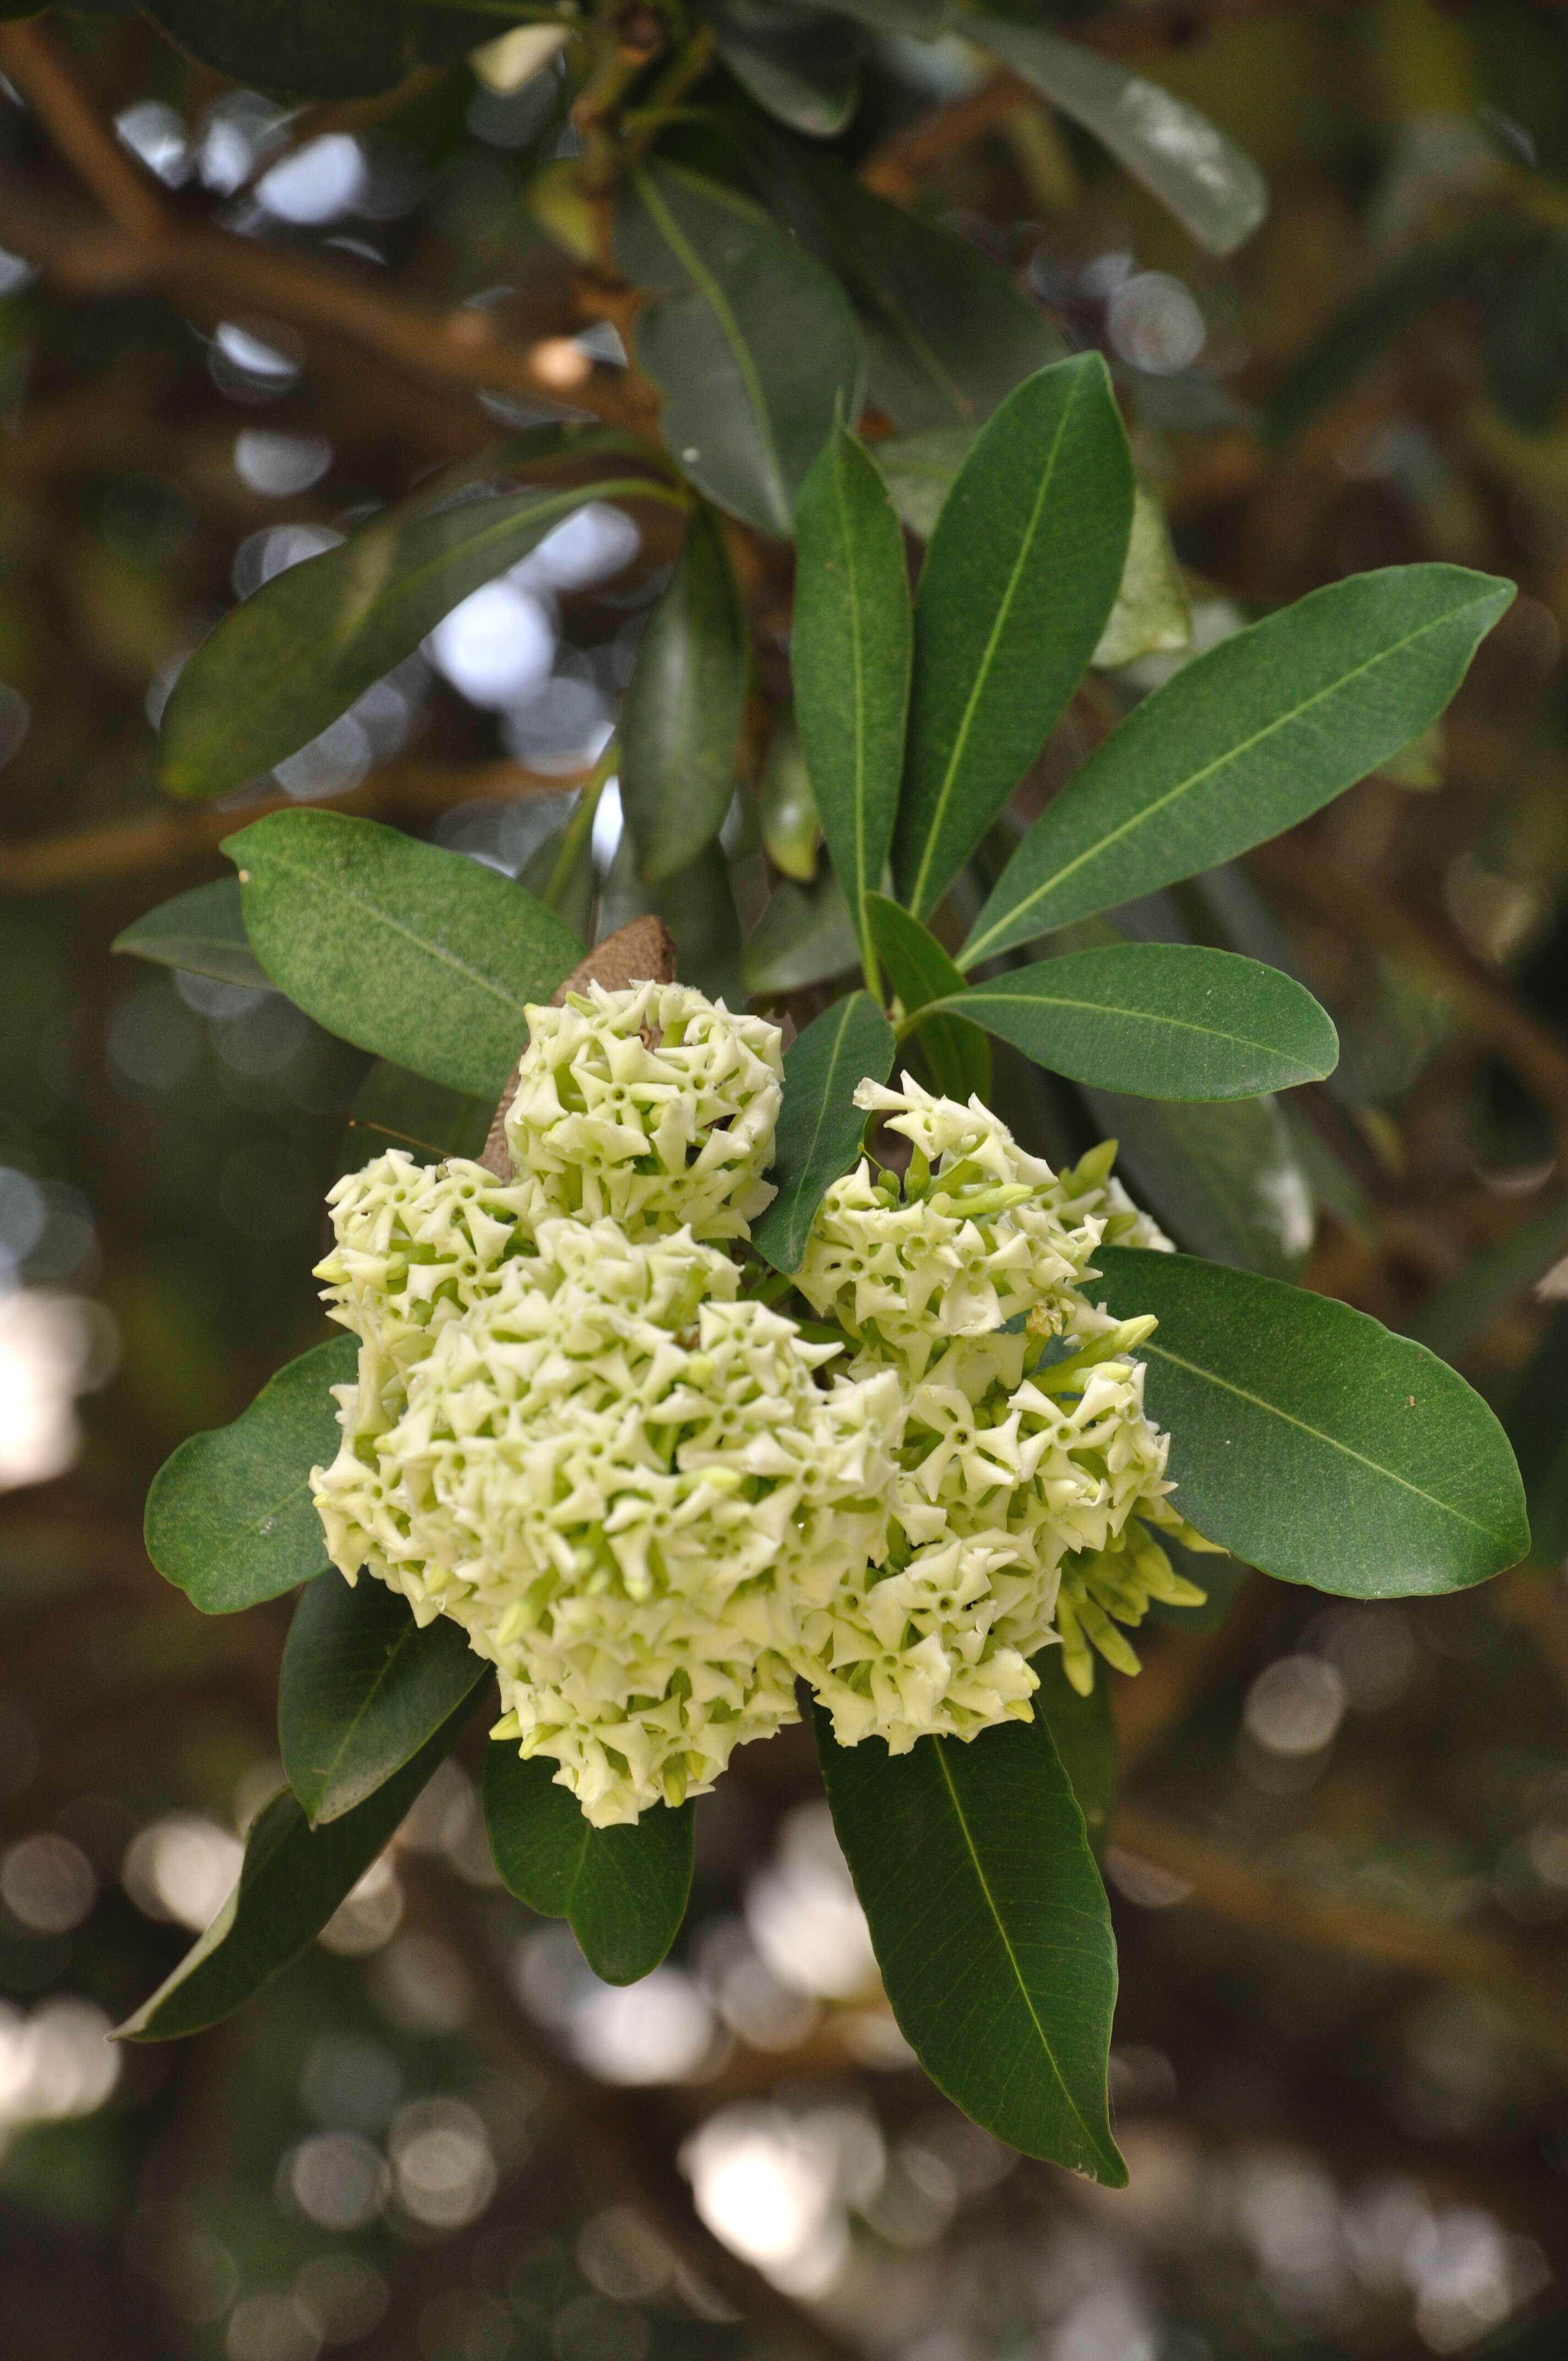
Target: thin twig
column 126, row 848
column 41, row 71
column 1369, row 1931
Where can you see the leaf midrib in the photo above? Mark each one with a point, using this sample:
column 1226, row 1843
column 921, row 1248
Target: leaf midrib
column 962, row 1003
column 718, row 303
column 823, row 1102
column 329, row 887
column 977, row 949
column 1152, row 1350
column 982, row 672
column 334, row 641
column 1092, row 2142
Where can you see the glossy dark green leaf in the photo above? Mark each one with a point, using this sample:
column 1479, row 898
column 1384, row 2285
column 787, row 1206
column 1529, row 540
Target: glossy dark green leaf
column 947, row 334
column 920, row 971
column 397, row 1109
column 1359, row 334
column 1243, row 741
column 323, row 49
column 296, row 654
column 1084, row 1735
column 805, row 935
column 1222, row 1176
column 697, row 905
column 1021, row 573
column 1528, row 361
column 1314, row 1442
column 623, row 1891
column 1214, row 191
column 751, row 342
column 820, row 1127
column 802, row 66
column 786, row 805
column 362, row 1689
column 680, row 729
column 1165, row 1020
column 291, row 1880
column 990, row 1928
column 417, row 954
column 1538, row 1429
column 202, row 933
column 229, row 1519
column 850, row 655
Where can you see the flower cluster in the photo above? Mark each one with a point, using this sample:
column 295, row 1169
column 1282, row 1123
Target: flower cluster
column 653, row 1499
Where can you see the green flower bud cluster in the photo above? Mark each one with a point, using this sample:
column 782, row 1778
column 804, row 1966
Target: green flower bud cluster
column 651, row 1499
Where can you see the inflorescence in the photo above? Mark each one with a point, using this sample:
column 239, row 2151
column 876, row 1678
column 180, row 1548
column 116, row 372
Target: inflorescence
column 652, row 1498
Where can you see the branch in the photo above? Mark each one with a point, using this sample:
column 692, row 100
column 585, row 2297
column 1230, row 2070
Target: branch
column 902, row 162
column 1369, row 1931
column 1353, row 905
column 624, row 2140
column 126, row 848
column 42, row 72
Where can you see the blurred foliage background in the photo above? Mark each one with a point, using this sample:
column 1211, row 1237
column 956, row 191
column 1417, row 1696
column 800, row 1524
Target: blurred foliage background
column 1340, row 1866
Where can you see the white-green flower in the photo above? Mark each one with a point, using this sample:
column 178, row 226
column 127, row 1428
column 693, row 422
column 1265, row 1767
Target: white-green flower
column 653, row 1106
column 628, row 1486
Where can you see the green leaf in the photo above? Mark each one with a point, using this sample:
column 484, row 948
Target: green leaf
column 697, row 905
column 920, row 470
column 1084, row 1735
column 1152, row 615
column 805, row 935
column 323, row 49
column 201, row 932
column 990, row 1928
column 1222, row 1176
column 1312, row 1442
column 752, row 344
column 229, row 1519
column 397, row 1109
column 296, row 654
column 1527, row 362
column 362, row 1689
column 1021, row 573
column 803, row 67
column 623, row 1891
column 291, row 1880
column 1216, row 192
column 787, row 807
column 850, row 657
column 920, row 973
column 680, row 729
column 1165, row 1020
column 1538, row 1429
column 1358, row 333
column 947, row 334
column 414, row 954
column 1243, row 741
column 820, row 1127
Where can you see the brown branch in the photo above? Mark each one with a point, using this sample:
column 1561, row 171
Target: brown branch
column 902, row 162
column 624, row 2140
column 1354, row 906
column 41, row 71
column 126, row 848
column 1369, row 1931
